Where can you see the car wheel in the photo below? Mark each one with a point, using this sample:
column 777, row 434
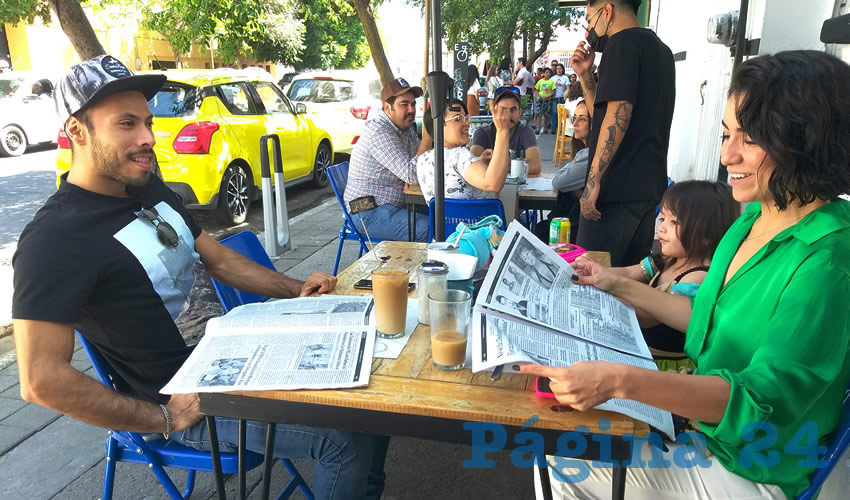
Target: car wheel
column 234, row 199
column 320, row 168
column 13, row 142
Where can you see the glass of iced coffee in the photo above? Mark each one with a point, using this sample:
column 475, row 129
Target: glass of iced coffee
column 389, row 287
column 450, row 314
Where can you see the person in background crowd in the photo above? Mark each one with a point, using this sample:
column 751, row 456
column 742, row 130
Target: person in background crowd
column 472, row 85
column 562, row 84
column 769, row 329
column 523, row 78
column 466, row 177
column 522, row 137
column 631, row 111
column 494, row 81
column 546, row 92
column 382, row 161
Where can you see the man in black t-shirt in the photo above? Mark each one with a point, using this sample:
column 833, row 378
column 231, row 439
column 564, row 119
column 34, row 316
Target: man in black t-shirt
column 522, row 137
column 632, row 108
column 111, row 255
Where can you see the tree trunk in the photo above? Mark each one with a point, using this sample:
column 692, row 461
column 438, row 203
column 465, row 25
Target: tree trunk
column 367, row 18
column 77, row 28
column 544, row 44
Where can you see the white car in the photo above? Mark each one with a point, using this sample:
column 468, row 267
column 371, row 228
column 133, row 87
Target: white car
column 338, row 102
column 27, row 111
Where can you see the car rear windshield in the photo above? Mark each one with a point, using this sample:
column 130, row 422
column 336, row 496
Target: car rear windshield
column 321, row 90
column 176, row 99
column 9, row 86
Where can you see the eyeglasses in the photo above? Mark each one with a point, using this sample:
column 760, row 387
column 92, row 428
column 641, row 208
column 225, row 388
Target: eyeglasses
column 164, row 231
column 579, row 119
column 462, row 119
column 511, row 88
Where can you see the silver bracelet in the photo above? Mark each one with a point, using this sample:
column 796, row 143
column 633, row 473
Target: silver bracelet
column 167, row 422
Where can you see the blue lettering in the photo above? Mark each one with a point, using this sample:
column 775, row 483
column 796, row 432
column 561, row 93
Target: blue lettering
column 657, row 461
column 571, row 444
column 811, row 451
column 692, row 452
column 635, row 444
column 749, row 455
column 533, row 442
column 605, row 461
column 480, row 445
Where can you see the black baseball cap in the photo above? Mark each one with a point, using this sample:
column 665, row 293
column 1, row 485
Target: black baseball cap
column 92, row 80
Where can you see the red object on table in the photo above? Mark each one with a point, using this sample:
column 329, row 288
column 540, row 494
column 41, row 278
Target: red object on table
column 567, row 251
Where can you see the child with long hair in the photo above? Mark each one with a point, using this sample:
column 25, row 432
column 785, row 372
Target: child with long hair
column 694, row 217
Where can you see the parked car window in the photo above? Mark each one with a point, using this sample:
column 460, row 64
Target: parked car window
column 375, row 88
column 175, row 100
column 273, row 100
column 321, row 90
column 236, row 98
column 8, row 86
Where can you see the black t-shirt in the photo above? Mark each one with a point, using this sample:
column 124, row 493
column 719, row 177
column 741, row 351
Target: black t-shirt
column 86, row 259
column 636, row 67
column 522, row 137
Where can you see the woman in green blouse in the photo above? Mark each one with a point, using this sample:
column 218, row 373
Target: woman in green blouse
column 770, row 326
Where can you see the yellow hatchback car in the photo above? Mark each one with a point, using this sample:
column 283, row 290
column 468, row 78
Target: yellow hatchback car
column 208, row 126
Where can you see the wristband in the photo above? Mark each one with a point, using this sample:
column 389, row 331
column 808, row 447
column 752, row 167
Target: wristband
column 167, row 422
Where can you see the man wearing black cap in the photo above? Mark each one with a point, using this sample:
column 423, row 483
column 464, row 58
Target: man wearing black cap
column 522, row 137
column 382, row 161
column 111, row 254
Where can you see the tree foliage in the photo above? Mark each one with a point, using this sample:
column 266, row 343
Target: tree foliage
column 16, row 11
column 334, row 36
column 492, row 26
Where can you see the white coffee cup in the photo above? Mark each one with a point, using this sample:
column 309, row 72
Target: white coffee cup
column 519, row 168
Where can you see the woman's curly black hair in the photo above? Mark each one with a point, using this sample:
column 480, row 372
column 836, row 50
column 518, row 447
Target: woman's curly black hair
column 796, row 106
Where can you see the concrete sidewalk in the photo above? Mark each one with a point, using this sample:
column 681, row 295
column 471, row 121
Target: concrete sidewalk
column 46, row 455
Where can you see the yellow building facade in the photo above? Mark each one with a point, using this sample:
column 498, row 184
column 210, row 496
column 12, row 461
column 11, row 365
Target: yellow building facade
column 45, row 48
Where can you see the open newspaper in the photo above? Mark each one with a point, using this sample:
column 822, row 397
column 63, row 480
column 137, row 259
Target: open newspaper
column 304, row 343
column 530, row 311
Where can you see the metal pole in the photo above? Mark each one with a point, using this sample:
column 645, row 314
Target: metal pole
column 741, row 35
column 275, row 215
column 439, row 195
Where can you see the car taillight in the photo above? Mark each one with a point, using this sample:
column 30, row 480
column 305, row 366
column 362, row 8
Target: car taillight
column 195, row 138
column 354, row 141
column 360, row 112
column 482, row 93
column 63, row 141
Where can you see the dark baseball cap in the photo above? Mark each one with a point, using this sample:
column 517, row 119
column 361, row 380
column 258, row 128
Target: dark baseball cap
column 398, row 87
column 92, row 80
column 507, row 91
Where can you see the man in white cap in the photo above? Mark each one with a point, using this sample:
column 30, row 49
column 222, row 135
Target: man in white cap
column 382, row 161
column 110, row 254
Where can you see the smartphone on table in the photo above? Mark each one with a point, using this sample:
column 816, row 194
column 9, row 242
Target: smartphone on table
column 365, row 284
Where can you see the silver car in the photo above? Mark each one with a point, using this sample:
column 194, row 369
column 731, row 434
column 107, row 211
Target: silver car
column 27, row 111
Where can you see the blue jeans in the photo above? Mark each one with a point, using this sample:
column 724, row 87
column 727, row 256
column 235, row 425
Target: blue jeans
column 558, row 100
column 389, row 222
column 348, row 464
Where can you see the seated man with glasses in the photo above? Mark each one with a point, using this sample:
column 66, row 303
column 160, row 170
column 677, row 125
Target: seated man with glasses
column 466, row 177
column 521, row 136
column 111, row 254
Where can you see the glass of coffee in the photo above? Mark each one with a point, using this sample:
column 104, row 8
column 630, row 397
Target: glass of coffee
column 450, row 314
column 389, row 287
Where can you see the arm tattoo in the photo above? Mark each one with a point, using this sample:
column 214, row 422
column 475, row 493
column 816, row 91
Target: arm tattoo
column 622, row 117
column 591, row 183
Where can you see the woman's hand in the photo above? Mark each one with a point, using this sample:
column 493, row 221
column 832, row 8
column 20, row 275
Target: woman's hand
column 583, row 385
column 593, row 273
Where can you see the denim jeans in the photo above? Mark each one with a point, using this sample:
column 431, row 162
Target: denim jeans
column 389, row 222
column 349, row 465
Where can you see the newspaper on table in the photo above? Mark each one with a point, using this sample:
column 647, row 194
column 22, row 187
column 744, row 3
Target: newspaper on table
column 530, row 311
column 304, row 343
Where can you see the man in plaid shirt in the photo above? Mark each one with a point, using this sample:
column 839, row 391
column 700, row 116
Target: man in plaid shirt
column 383, row 160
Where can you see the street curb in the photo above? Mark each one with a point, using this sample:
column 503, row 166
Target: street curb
column 5, row 330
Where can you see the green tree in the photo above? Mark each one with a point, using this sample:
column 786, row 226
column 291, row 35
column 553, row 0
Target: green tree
column 334, row 36
column 492, row 27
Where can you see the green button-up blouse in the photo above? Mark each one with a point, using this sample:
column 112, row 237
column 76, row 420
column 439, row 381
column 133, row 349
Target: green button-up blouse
column 778, row 332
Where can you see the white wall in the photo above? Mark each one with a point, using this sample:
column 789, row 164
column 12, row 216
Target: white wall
column 791, row 24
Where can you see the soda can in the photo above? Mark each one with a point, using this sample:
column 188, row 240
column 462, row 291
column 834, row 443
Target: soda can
column 555, row 230
column 564, row 233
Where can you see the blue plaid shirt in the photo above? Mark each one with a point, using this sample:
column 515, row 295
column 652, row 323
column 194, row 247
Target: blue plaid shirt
column 382, row 161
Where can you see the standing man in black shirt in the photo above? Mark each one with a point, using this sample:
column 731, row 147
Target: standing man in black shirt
column 631, row 108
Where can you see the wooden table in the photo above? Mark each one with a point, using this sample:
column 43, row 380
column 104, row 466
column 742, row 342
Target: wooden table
column 409, row 397
column 511, row 197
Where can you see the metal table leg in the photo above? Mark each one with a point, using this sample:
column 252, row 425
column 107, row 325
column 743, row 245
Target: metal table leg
column 216, row 458
column 242, row 430
column 618, row 482
column 268, row 460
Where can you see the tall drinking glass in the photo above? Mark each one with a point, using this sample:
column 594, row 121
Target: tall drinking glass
column 389, row 288
column 450, row 314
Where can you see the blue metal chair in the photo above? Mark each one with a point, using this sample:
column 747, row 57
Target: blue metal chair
column 838, row 444
column 247, row 244
column 338, row 175
column 466, row 211
column 153, row 450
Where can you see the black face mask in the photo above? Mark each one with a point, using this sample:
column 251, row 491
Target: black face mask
column 597, row 43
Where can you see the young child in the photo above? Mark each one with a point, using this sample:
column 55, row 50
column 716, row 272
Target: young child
column 545, row 88
column 694, row 217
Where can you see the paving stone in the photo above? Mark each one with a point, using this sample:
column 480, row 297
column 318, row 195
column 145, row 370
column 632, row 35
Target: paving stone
column 13, row 392
column 9, row 406
column 45, row 463
column 9, row 438
column 31, row 416
column 7, row 381
column 10, row 370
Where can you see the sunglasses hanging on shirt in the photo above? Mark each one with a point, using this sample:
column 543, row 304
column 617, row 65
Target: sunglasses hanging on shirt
column 164, row 231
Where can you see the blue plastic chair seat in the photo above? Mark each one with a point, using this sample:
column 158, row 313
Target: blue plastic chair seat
column 466, row 211
column 247, row 244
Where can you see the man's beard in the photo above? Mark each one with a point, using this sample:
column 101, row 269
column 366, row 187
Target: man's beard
column 108, row 163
